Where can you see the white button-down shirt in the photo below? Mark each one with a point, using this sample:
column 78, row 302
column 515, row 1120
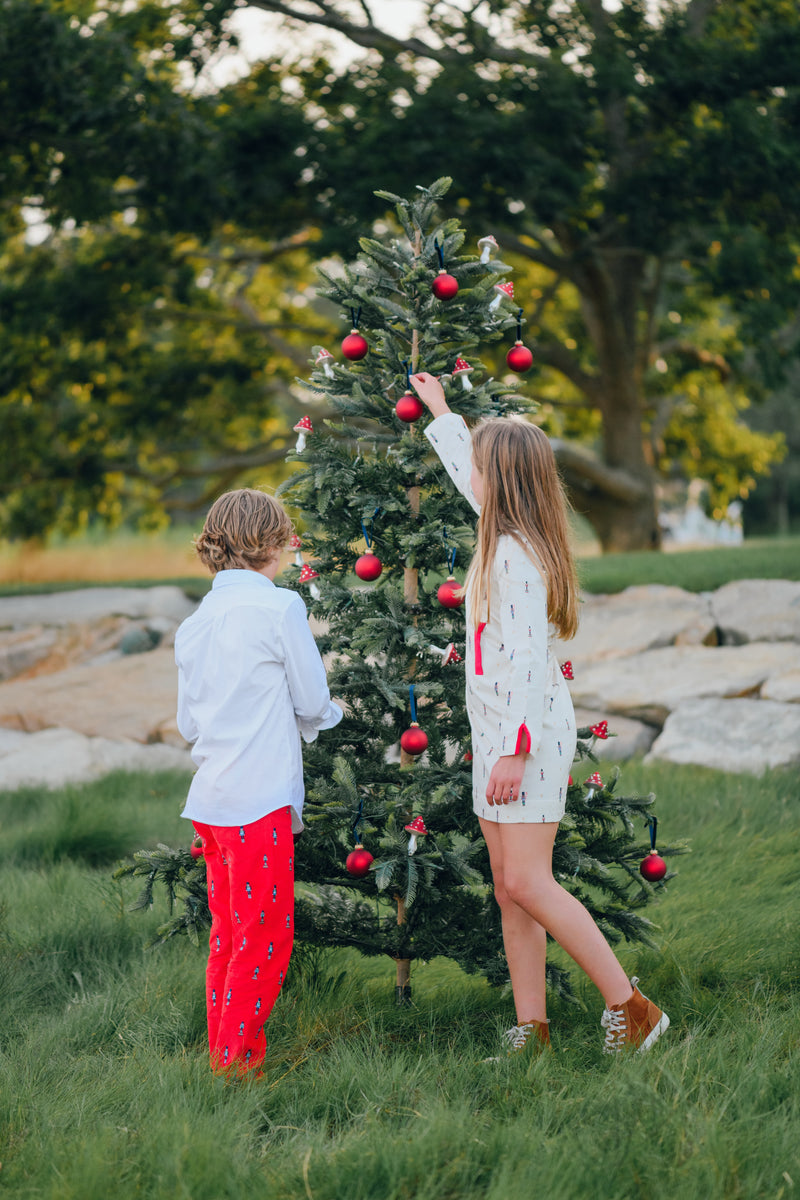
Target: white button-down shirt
column 250, row 682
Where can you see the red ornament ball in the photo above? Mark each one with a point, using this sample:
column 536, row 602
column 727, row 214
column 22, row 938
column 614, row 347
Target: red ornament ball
column 519, row 358
column 447, row 593
column 354, row 346
column 653, row 867
column 409, row 408
column 368, row 566
column 196, row 848
column 414, row 740
column 444, row 286
column 358, row 861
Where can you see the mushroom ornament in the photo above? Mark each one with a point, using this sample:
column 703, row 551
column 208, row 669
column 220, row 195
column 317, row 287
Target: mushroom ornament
column 308, row 575
column 448, row 655
column 594, row 783
column 600, row 730
column 463, row 370
column 295, row 544
column 566, row 670
column 502, row 291
column 324, row 360
column 487, row 244
column 302, row 427
column 417, row 829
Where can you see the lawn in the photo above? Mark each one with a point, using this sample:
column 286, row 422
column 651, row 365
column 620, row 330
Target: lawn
column 105, row 1089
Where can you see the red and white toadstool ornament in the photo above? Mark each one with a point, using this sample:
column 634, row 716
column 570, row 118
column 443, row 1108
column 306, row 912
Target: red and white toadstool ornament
column 462, row 370
column 449, row 595
column 409, row 408
column 368, row 566
column 417, row 829
column 302, row 427
column 358, row 861
column 308, row 575
column 295, row 544
column 324, row 360
column 487, row 244
column 594, row 783
column 600, row 730
column 566, row 670
column 448, row 655
column 502, row 291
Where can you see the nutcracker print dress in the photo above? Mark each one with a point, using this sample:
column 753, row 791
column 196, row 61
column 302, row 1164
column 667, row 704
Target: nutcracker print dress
column 517, row 698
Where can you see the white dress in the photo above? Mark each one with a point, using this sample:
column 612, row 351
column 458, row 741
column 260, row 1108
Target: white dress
column 517, row 698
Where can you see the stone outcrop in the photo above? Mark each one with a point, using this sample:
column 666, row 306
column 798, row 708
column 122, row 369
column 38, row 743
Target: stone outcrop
column 89, row 680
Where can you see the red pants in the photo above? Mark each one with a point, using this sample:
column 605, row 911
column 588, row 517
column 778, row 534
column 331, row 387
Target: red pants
column 250, row 872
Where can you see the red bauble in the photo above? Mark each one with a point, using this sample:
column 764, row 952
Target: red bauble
column 358, row 861
column 409, row 408
column 447, row 593
column 354, row 346
column 444, row 286
column 368, row 566
column 519, row 358
column 196, row 848
column 414, row 740
column 653, row 867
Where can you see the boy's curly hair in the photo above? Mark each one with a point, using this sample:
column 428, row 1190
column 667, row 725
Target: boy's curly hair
column 245, row 528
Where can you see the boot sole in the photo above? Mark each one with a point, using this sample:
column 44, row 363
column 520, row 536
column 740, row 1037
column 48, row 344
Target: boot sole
column 654, row 1034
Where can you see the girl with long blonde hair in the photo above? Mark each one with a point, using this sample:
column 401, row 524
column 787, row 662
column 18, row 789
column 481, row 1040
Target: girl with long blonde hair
column 521, row 592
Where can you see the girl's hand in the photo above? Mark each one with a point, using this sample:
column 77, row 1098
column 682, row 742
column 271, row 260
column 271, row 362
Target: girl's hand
column 430, row 392
column 505, row 780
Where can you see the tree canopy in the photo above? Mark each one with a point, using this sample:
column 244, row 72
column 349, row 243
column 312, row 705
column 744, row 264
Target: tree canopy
column 638, row 166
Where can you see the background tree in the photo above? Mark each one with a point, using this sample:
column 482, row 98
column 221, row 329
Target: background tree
column 370, row 477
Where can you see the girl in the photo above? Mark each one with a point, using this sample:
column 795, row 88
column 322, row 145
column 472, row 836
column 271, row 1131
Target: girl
column 520, row 591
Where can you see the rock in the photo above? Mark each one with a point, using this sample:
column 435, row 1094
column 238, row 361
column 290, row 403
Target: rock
column 54, row 757
column 130, row 698
column 88, row 605
column 21, row 649
column 731, row 735
column 757, row 610
column 637, row 619
column 784, row 687
column 649, row 686
column 630, row 739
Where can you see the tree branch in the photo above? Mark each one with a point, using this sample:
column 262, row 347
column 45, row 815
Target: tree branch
column 554, row 355
column 703, row 358
column 584, row 471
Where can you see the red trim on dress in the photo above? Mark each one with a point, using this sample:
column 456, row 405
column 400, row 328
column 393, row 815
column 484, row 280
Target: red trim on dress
column 523, row 741
column 478, row 658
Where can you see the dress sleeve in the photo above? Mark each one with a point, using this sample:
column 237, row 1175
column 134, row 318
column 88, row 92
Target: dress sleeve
column 523, row 625
column 305, row 672
column 451, row 439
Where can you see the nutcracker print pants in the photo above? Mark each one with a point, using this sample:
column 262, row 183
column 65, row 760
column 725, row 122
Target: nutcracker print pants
column 250, row 874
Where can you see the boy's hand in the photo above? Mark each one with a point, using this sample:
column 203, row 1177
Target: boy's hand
column 505, row 780
column 430, row 392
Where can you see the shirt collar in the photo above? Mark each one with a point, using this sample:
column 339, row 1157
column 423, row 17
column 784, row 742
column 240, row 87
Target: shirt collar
column 242, row 577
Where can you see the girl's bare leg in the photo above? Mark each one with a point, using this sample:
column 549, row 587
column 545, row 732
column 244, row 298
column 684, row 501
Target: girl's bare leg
column 524, row 940
column 524, row 855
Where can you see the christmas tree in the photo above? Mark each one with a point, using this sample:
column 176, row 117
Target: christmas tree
column 391, row 860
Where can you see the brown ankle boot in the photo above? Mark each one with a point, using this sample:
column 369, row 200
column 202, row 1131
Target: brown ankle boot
column 636, row 1024
column 529, row 1035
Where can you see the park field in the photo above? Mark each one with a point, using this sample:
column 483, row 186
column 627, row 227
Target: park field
column 105, row 1089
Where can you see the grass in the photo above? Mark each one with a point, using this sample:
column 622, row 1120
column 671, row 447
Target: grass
column 105, row 1089
column 145, row 560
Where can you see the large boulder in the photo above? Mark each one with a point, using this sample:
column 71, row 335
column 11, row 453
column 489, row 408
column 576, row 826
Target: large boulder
column 757, row 610
column 54, row 757
column 133, row 697
column 638, row 619
column 89, row 605
column 731, row 735
column 650, row 686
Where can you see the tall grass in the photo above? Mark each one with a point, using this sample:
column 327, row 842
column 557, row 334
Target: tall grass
column 105, row 1089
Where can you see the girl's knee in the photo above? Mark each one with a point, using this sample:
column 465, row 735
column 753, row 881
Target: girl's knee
column 527, row 893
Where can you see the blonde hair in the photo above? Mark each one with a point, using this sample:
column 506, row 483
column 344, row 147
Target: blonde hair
column 523, row 496
column 245, row 528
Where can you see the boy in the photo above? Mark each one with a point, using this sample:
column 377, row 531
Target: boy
column 250, row 682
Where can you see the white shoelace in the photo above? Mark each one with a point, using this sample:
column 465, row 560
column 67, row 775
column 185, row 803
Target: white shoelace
column 518, row 1035
column 613, row 1021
